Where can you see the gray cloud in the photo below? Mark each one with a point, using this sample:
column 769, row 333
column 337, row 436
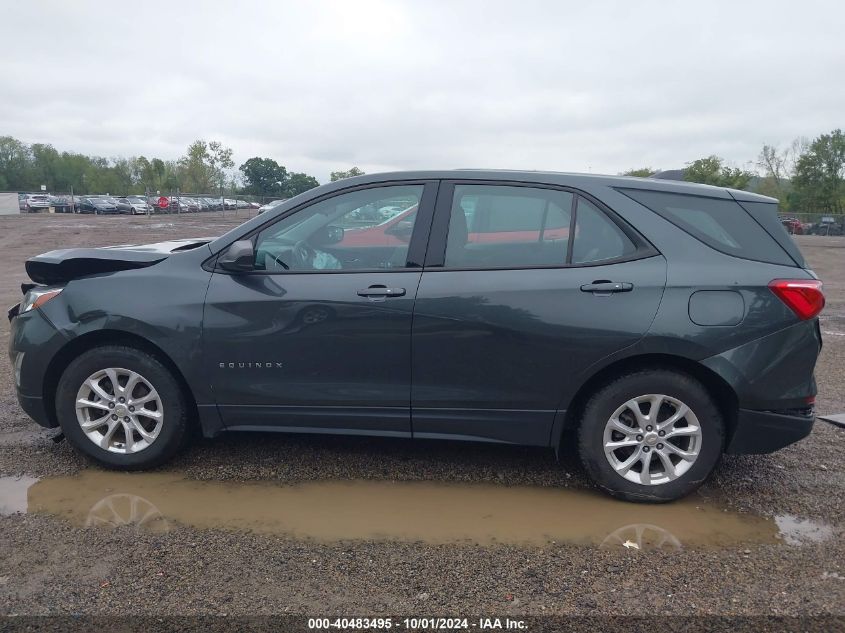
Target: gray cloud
column 392, row 85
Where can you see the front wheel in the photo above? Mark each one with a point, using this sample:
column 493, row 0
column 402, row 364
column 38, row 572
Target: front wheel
column 652, row 435
column 122, row 408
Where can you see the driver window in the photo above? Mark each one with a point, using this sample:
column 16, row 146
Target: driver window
column 361, row 230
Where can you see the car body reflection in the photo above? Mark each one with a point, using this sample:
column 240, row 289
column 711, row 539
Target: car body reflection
column 432, row 512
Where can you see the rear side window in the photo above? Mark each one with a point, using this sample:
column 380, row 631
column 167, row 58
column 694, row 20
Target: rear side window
column 721, row 224
column 766, row 213
column 507, row 226
column 495, row 226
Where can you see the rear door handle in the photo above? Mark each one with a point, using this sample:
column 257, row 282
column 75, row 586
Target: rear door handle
column 603, row 287
column 381, row 291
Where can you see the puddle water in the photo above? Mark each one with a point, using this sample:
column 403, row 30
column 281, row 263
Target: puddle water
column 432, row 512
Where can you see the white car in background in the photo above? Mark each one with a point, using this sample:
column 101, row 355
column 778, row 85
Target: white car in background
column 34, row 202
column 139, row 205
column 270, row 205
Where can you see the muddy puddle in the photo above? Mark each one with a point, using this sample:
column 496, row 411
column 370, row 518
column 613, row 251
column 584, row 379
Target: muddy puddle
column 431, row 512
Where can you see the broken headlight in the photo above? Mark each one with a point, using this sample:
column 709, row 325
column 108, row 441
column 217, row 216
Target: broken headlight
column 38, row 296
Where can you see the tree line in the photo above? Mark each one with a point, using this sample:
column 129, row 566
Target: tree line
column 805, row 176
column 206, row 167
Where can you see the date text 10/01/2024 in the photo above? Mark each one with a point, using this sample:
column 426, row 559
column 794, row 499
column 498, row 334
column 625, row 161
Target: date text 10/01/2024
column 417, row 623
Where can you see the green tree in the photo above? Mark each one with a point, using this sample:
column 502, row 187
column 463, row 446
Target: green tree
column 298, row 183
column 70, row 171
column 45, row 160
column 204, row 165
column 777, row 167
column 713, row 171
column 15, row 163
column 158, row 171
column 640, row 172
column 340, row 175
column 819, row 181
column 264, row 177
column 123, row 170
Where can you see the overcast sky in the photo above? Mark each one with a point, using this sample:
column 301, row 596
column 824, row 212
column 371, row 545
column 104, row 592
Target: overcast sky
column 586, row 86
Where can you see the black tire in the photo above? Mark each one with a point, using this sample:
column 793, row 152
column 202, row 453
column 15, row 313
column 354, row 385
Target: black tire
column 174, row 431
column 607, row 399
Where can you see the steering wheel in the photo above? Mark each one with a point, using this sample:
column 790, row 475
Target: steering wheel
column 303, row 255
column 280, row 262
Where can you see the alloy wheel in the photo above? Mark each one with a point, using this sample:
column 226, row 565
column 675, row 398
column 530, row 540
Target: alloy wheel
column 652, row 439
column 119, row 410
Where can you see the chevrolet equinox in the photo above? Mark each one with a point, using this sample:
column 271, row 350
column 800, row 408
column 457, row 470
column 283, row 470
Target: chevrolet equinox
column 657, row 324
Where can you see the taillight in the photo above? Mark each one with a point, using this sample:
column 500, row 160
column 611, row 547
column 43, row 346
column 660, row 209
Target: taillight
column 803, row 296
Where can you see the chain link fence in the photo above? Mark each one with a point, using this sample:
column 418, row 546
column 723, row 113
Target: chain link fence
column 813, row 223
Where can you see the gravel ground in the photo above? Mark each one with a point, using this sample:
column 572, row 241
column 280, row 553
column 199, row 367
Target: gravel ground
column 49, row 567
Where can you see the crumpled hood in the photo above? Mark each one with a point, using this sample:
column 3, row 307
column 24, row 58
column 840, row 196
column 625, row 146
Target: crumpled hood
column 71, row 263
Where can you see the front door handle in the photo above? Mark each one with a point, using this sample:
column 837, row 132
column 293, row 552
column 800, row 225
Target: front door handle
column 603, row 287
column 381, row 291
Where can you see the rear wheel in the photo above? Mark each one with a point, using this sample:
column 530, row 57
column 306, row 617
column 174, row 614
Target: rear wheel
column 652, row 435
column 122, row 408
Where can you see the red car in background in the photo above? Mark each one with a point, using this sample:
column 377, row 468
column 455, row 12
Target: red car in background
column 396, row 231
column 793, row 226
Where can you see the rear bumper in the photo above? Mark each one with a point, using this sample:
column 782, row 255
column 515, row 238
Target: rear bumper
column 759, row 432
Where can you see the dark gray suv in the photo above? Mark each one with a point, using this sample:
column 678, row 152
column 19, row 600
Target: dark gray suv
column 657, row 324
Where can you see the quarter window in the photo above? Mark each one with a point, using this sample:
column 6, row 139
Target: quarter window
column 718, row 222
column 597, row 238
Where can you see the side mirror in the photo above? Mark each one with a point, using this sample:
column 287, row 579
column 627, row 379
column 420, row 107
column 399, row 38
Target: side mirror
column 327, row 235
column 239, row 257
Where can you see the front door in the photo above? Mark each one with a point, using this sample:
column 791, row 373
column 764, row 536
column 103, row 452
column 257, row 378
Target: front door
column 318, row 336
column 524, row 288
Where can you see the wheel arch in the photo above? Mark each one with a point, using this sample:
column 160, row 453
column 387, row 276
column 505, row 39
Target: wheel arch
column 99, row 338
column 722, row 393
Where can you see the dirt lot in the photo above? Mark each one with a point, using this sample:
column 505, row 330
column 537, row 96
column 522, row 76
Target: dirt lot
column 53, row 564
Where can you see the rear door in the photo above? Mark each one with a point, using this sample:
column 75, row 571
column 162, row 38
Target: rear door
column 524, row 288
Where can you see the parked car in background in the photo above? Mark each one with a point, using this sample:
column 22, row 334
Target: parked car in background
column 214, row 204
column 138, row 205
column 62, row 204
column 827, row 225
column 793, row 226
column 270, row 205
column 123, row 205
column 182, row 204
column 96, row 205
column 34, row 202
column 228, row 203
column 671, row 323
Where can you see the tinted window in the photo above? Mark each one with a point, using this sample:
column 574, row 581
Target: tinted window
column 361, row 230
column 597, row 238
column 508, row 227
column 766, row 213
column 719, row 223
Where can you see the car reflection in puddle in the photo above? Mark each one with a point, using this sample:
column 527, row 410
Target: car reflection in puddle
column 431, row 512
